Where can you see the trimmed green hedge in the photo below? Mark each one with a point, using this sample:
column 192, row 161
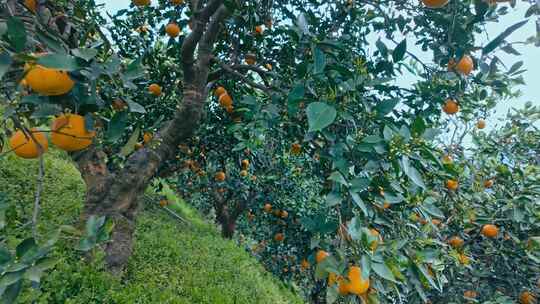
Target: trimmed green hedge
column 173, row 262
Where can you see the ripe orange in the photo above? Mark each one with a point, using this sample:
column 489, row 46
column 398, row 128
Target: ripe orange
column 490, row 231
column 267, row 207
column 147, row 137
column 465, row 65
column 163, row 202
column 26, row 147
column 154, row 89
column 450, row 107
column 480, row 124
column 296, row 148
column 321, row 255
column 435, row 3
column 305, row 264
column 447, row 159
column 259, row 29
column 245, row 164
column 356, row 284
column 141, row 2
column 243, row 173
column 251, row 59
column 452, row 184
column 177, row 2
column 225, row 100
column 219, row 91
column 456, row 242
column 471, row 294
column 526, row 297
column 488, row 183
column 69, row 133
column 46, row 81
column 279, row 237
column 220, row 176
column 173, row 30
column 31, row 5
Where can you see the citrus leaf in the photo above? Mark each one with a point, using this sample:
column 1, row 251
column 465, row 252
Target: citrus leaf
column 59, row 61
column 5, row 63
column 493, row 44
column 399, row 51
column 16, row 34
column 320, row 115
column 320, row 60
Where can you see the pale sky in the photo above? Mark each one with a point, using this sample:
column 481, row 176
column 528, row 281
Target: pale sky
column 530, row 54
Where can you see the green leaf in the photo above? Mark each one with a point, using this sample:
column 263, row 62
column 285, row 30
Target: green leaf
column 135, row 107
column 85, row 53
column 320, row 115
column 359, row 202
column 26, row 247
column 333, row 199
column 10, row 293
column 337, row 177
column 320, row 60
column 130, row 145
column 5, row 255
column 297, row 93
column 359, row 184
column 515, row 67
column 383, row 271
column 35, row 272
column 372, row 139
column 16, row 34
column 117, row 125
column 411, row 172
column 493, row 44
column 93, row 224
column 386, row 106
column 5, row 63
column 10, row 278
column 399, row 51
column 59, row 61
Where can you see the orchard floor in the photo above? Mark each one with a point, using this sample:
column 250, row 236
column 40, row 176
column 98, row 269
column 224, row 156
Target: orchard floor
column 173, row 261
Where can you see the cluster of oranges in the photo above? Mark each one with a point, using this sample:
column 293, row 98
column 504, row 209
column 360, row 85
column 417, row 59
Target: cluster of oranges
column 353, row 283
column 68, row 131
column 225, row 100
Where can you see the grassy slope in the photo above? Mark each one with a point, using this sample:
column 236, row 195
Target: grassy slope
column 174, row 262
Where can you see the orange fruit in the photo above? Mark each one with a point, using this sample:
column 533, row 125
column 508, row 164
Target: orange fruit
column 267, row 207
column 220, row 176
column 480, row 124
column 173, row 30
column 47, row 81
column 268, row 66
column 259, row 29
column 177, row 2
column 452, row 184
column 225, row 100
column 435, row 3
column 279, row 237
column 147, row 137
column 219, row 91
column 488, row 183
column 465, row 65
column 26, row 147
column 490, row 231
column 321, row 255
column 356, row 284
column 251, row 59
column 141, row 2
column 471, row 294
column 296, row 148
column 374, row 244
column 31, row 5
column 283, row 214
column 526, row 297
column 245, row 164
column 305, row 264
column 243, row 173
column 154, row 89
column 450, row 107
column 69, row 133
column 163, row 202
column 229, row 109
column 447, row 159
column 456, row 242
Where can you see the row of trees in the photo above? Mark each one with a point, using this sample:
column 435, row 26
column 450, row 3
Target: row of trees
column 283, row 118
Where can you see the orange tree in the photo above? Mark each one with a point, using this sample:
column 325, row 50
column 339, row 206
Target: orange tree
column 308, row 145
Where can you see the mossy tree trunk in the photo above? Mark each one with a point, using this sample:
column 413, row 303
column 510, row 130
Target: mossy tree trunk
column 115, row 193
